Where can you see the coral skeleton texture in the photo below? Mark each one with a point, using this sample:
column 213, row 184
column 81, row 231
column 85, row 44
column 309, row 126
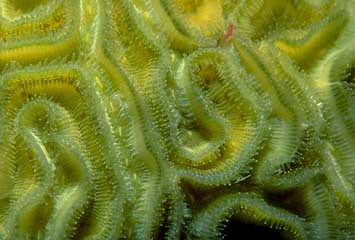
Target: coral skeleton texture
column 177, row 119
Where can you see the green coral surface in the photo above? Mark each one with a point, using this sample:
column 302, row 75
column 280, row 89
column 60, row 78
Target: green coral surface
column 177, row 119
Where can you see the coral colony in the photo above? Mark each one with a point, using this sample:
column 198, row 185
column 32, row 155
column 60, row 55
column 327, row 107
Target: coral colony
column 177, row 119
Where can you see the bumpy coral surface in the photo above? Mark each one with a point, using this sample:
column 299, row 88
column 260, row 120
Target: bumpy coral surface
column 177, row 119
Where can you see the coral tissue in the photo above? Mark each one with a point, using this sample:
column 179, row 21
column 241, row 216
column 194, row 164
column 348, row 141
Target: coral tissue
column 177, row 119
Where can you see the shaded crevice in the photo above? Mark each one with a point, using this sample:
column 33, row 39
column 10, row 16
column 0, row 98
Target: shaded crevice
column 236, row 229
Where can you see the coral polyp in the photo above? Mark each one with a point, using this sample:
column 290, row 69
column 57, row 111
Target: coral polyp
column 177, row 119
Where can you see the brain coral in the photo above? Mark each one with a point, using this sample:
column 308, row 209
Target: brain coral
column 177, row 119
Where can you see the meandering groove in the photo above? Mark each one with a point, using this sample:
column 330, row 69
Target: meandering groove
column 165, row 119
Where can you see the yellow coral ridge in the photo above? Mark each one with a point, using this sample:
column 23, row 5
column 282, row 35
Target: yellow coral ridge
column 177, row 119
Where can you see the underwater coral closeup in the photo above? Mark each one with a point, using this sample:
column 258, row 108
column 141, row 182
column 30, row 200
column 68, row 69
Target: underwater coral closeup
column 177, row 119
